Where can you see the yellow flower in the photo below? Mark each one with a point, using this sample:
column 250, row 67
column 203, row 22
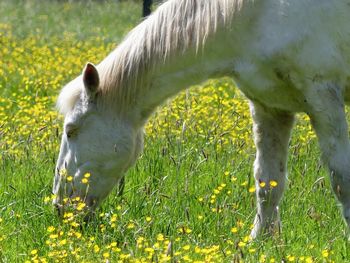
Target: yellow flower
column 188, row 230
column 309, row 260
column 149, row 250
column 245, row 183
column 74, row 224
column 273, row 183
column 63, row 172
column 50, row 229
column 186, row 247
column 325, row 253
column 262, row 258
column 234, row 230
column 131, row 225
column 252, row 189
column 81, row 206
column 96, row 248
column 291, row 258
column 241, row 244
column 160, row 237
column 84, row 181
column 262, row 184
column 124, row 256
column 69, row 178
column 148, row 218
column 87, row 175
column 68, row 215
column 113, row 219
column 34, row 252
column 63, row 242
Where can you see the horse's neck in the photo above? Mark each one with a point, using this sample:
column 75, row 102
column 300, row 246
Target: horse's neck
column 179, row 72
column 216, row 59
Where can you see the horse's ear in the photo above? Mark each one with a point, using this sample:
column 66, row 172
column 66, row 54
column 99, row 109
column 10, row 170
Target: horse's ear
column 91, row 79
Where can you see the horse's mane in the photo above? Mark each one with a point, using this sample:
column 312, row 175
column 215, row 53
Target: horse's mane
column 174, row 27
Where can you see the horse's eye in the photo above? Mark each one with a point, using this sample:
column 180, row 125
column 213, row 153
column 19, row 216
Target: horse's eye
column 71, row 130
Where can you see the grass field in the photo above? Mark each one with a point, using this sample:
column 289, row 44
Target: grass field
column 190, row 197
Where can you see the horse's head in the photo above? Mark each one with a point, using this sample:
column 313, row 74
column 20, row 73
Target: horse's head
column 97, row 147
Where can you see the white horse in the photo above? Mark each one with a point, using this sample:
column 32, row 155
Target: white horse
column 286, row 56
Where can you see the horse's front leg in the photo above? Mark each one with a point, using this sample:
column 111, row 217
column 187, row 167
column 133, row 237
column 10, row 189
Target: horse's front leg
column 328, row 118
column 271, row 135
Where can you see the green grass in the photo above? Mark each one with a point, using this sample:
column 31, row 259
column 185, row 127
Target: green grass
column 84, row 19
column 177, row 170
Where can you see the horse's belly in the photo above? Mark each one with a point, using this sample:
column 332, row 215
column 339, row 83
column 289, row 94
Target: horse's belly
column 269, row 86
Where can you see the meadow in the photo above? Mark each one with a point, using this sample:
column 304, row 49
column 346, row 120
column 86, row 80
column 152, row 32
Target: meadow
column 191, row 195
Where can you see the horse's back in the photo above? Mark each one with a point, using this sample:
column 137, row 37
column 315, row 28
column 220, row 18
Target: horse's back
column 280, row 46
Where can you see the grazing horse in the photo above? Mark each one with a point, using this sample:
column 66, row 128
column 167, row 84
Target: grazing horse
column 286, row 56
